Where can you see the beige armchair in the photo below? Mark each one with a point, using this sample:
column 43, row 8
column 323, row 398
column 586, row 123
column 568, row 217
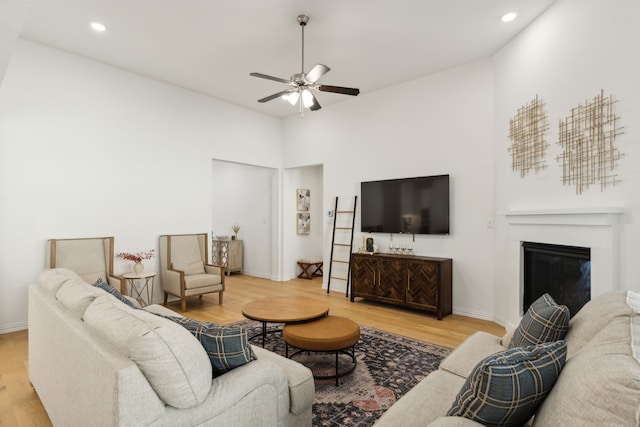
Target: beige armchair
column 90, row 258
column 184, row 267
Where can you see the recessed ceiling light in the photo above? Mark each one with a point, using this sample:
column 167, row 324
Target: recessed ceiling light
column 509, row 16
column 98, row 26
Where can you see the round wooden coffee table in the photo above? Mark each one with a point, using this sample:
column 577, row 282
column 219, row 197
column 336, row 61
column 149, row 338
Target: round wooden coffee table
column 330, row 334
column 284, row 310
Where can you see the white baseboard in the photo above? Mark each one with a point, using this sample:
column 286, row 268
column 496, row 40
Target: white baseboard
column 13, row 327
column 479, row 315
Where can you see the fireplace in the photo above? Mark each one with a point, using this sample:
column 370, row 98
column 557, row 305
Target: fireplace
column 564, row 272
column 595, row 228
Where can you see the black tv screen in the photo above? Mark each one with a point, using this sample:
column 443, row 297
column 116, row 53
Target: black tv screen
column 410, row 205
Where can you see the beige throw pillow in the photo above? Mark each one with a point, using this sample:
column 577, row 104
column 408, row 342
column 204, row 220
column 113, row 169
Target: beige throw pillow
column 172, row 360
column 77, row 295
column 52, row 279
column 190, row 268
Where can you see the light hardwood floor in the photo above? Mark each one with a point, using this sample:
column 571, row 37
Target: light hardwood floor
column 20, row 406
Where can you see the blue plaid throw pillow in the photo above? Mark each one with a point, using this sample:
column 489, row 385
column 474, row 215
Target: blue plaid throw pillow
column 227, row 346
column 113, row 291
column 506, row 388
column 544, row 321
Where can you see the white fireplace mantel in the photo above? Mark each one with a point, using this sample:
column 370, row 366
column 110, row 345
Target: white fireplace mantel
column 583, row 216
column 594, row 228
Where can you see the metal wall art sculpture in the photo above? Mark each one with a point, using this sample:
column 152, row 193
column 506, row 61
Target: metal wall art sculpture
column 587, row 138
column 526, row 131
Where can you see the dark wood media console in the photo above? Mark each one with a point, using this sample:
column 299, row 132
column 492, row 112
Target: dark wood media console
column 418, row 282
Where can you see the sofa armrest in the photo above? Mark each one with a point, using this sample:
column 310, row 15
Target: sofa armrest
column 300, row 379
column 257, row 384
column 161, row 310
column 69, row 363
column 475, row 348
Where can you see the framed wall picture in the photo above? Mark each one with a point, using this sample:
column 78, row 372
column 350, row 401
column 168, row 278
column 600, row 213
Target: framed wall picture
column 303, row 199
column 304, row 223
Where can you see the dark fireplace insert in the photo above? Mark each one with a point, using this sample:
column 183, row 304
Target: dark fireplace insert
column 564, row 272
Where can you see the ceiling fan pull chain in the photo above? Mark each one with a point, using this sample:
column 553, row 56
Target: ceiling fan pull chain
column 301, row 105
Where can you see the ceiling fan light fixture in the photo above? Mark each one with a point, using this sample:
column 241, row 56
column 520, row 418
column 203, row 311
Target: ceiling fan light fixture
column 301, row 84
column 307, row 98
column 293, row 98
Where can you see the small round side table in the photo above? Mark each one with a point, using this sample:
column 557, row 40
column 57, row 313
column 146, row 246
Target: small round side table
column 137, row 287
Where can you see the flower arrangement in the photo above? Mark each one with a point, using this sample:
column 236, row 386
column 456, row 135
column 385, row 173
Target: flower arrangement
column 235, row 228
column 137, row 257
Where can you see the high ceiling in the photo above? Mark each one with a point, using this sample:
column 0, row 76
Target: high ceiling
column 211, row 46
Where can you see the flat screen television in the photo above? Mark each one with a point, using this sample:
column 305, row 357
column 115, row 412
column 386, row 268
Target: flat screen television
column 410, row 205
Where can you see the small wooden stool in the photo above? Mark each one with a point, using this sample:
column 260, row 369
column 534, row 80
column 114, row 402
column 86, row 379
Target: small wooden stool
column 330, row 334
column 307, row 263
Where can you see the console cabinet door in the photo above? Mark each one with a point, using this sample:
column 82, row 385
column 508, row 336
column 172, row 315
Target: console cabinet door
column 364, row 272
column 422, row 284
column 391, row 280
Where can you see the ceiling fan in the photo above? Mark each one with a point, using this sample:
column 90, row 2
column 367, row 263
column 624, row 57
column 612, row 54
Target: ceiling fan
column 302, row 85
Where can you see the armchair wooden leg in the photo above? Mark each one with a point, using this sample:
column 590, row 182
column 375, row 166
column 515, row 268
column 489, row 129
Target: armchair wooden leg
column 183, row 304
column 166, row 298
column 220, row 297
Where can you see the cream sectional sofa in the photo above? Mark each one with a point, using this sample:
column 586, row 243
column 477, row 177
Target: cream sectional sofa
column 598, row 386
column 82, row 347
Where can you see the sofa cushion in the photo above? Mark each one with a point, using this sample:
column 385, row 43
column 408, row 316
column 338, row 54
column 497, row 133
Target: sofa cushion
column 600, row 385
column 189, row 268
column 113, row 291
column 77, row 295
column 506, row 388
column 227, row 346
column 196, row 281
column 544, row 321
column 171, row 359
column 52, row 279
column 594, row 316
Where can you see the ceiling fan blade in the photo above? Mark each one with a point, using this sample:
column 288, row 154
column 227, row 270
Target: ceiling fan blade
column 264, row 76
column 339, row 89
column 316, row 72
column 316, row 105
column 274, row 96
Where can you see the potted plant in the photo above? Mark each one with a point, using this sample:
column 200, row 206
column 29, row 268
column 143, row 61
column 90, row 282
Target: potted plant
column 235, row 229
column 137, row 258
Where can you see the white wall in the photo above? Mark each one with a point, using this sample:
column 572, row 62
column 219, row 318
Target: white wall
column 439, row 124
column 577, row 48
column 89, row 150
column 242, row 194
column 302, row 245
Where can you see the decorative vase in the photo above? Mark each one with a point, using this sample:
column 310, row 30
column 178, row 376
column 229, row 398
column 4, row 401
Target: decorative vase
column 138, row 267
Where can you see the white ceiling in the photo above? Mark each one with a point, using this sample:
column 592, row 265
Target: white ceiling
column 211, row 46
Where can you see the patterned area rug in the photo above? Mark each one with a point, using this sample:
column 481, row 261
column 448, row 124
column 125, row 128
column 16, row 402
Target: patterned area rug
column 387, row 367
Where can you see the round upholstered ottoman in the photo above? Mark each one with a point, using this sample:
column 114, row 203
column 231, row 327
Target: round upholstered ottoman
column 331, row 334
